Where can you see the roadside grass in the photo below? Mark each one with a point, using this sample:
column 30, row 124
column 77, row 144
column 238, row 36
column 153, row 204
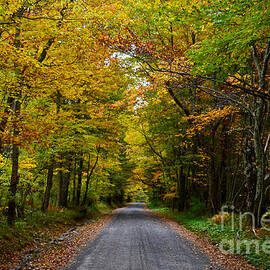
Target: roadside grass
column 38, row 227
column 199, row 222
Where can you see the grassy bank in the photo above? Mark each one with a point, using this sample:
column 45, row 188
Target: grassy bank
column 38, row 227
column 198, row 221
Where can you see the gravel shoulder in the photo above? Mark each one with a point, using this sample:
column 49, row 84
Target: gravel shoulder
column 64, row 249
column 216, row 256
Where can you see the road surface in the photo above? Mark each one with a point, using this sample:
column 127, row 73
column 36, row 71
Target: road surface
column 137, row 240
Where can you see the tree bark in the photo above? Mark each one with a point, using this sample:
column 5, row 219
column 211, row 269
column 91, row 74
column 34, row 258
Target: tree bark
column 260, row 163
column 13, row 185
column 66, row 185
column 60, row 195
column 79, row 186
column 257, row 130
column 89, row 176
column 74, row 182
column 213, row 187
column 249, row 173
column 181, row 189
column 46, row 198
column 14, row 174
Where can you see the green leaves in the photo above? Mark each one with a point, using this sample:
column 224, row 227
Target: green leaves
column 229, row 30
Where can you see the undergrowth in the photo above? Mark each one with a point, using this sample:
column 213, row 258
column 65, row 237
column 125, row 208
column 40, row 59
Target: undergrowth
column 199, row 222
column 37, row 226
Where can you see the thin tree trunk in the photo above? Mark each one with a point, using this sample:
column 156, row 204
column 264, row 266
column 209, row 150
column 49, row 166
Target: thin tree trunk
column 66, row 185
column 262, row 69
column 250, row 177
column 89, row 176
column 74, row 182
column 60, row 187
column 21, row 210
column 14, row 174
column 79, row 187
column 181, row 188
column 222, row 191
column 260, row 164
column 46, row 198
column 13, row 185
column 213, row 180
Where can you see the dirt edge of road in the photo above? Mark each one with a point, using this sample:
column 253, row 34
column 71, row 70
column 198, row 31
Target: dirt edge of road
column 217, row 257
column 64, row 253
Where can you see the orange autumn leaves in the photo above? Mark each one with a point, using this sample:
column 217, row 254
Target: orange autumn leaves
column 203, row 120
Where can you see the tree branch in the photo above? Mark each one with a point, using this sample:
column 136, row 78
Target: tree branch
column 177, row 101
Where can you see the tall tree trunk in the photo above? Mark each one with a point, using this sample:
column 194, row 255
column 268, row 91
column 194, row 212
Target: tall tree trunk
column 66, row 185
column 258, row 117
column 74, row 182
column 213, row 188
column 46, row 198
column 15, row 168
column 260, row 163
column 89, row 176
column 222, row 191
column 13, row 185
column 24, row 195
column 181, row 188
column 16, row 108
column 79, row 186
column 60, row 195
column 249, row 173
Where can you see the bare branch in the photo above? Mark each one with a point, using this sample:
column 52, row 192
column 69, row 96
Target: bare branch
column 227, row 97
column 177, row 101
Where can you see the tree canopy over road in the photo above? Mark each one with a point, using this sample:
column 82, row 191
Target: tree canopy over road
column 125, row 100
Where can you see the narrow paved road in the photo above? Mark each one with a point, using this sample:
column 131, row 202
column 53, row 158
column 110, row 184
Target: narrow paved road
column 137, row 240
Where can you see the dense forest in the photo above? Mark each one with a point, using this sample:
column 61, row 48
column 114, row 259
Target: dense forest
column 117, row 101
